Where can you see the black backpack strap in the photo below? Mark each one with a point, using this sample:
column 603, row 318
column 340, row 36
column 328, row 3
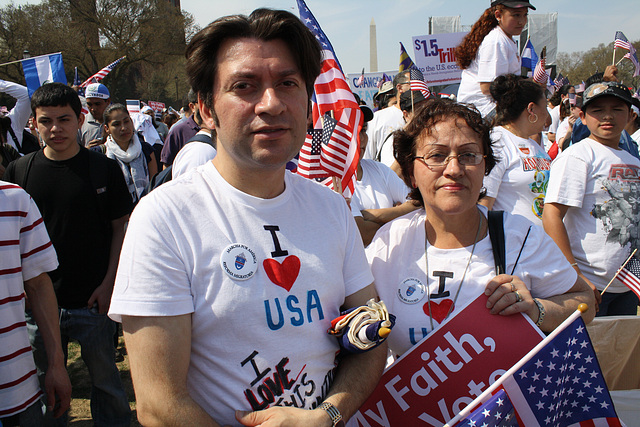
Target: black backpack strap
column 200, row 137
column 496, row 234
column 379, row 153
column 23, row 167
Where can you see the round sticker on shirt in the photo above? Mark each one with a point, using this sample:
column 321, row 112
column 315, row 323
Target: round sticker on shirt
column 239, row 262
column 411, row 291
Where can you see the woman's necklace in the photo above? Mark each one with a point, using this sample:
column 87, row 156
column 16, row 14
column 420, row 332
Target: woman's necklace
column 426, row 261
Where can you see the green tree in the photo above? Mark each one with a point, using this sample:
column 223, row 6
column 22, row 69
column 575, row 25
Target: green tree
column 92, row 33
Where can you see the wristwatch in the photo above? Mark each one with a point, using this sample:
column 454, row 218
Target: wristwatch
column 334, row 414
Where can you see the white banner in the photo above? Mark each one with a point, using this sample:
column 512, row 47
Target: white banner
column 369, row 87
column 435, row 57
column 543, row 31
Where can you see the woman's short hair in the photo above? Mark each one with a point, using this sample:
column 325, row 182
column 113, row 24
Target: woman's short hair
column 513, row 94
column 262, row 24
column 405, row 141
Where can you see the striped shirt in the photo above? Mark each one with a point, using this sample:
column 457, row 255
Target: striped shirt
column 25, row 253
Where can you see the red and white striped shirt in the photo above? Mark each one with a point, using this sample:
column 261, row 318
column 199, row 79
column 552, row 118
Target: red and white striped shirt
column 25, row 253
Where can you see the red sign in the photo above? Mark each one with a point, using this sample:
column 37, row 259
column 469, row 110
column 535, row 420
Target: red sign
column 449, row 368
column 156, row 106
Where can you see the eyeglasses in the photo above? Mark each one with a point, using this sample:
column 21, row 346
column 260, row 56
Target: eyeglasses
column 439, row 160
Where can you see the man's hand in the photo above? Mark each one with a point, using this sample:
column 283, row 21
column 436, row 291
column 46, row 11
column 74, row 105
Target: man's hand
column 58, row 389
column 102, row 296
column 284, row 417
column 610, row 74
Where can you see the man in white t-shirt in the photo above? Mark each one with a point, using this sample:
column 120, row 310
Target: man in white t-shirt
column 387, row 120
column 231, row 274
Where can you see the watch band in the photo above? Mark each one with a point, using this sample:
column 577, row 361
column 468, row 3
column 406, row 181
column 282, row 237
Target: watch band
column 541, row 310
column 333, row 413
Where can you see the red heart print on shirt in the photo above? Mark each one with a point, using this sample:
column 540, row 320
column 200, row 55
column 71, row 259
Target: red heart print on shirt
column 285, row 274
column 439, row 311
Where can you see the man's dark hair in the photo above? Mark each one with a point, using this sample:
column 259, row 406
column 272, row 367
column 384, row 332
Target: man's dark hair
column 262, row 24
column 56, row 95
column 405, row 141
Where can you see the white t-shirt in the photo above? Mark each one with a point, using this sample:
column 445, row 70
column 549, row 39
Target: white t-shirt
column 519, row 179
column 380, row 187
column 555, row 120
column 192, row 155
column 26, row 253
column 497, row 55
column 601, row 186
column 563, row 128
column 383, row 123
column 636, row 136
column 261, row 278
column 397, row 259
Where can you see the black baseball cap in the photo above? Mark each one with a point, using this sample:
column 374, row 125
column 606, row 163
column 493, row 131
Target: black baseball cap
column 598, row 90
column 514, row 4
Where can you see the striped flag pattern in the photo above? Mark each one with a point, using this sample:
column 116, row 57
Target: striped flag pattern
column 417, row 82
column 540, row 73
column 102, row 73
column 309, row 157
column 332, row 94
column 630, row 275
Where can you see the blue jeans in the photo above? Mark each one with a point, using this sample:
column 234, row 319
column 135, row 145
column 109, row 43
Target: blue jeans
column 625, row 303
column 94, row 332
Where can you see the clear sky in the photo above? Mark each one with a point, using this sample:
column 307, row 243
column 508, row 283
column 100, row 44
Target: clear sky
column 582, row 24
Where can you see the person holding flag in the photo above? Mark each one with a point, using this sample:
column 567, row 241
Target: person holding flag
column 489, row 51
column 231, row 274
column 429, row 264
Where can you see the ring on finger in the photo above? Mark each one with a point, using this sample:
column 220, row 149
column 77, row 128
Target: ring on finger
column 513, row 287
column 518, row 296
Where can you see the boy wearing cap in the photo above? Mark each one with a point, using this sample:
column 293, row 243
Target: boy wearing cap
column 592, row 204
column 98, row 99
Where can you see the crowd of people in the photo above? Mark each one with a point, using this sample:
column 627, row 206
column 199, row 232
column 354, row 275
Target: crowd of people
column 225, row 270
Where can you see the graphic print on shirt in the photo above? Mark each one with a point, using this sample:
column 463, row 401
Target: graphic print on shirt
column 620, row 214
column 540, row 167
column 279, row 386
column 437, row 307
column 290, row 309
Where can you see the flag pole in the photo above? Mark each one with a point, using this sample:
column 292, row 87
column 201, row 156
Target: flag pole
column 613, row 62
column 24, row 59
column 582, row 308
column 619, row 270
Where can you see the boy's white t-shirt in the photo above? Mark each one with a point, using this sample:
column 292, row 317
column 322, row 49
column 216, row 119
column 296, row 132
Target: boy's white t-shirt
column 519, row 179
column 398, row 263
column 601, row 186
column 261, row 278
column 497, row 55
column 380, row 187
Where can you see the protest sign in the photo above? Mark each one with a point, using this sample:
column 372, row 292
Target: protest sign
column 369, row 86
column 435, row 56
column 156, row 106
column 449, row 368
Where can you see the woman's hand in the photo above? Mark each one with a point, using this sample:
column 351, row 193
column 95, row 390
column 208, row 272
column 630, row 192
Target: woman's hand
column 508, row 295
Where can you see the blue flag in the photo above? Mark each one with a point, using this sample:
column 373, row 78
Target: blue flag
column 529, row 56
column 43, row 69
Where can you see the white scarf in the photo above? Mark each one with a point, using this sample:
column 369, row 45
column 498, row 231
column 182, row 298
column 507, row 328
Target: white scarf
column 133, row 164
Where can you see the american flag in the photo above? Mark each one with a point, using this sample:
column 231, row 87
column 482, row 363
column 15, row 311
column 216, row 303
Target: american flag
column 630, row 275
column 563, row 384
column 418, row 83
column 540, row 73
column 405, row 61
column 622, row 41
column 561, row 81
column 560, row 384
column 102, row 73
column 385, row 78
column 309, row 158
column 332, row 93
column 496, row 412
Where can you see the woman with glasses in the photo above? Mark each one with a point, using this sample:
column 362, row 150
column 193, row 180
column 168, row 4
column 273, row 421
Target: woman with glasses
column 518, row 183
column 430, row 263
